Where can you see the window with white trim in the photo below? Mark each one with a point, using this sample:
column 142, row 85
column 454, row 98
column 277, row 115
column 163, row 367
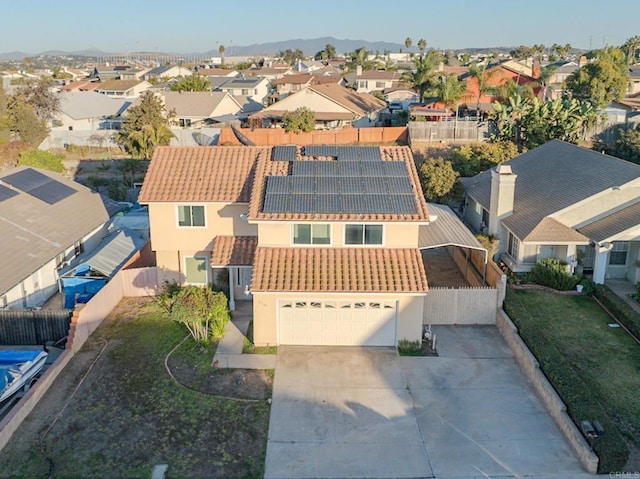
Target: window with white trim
column 514, row 246
column 195, row 269
column 363, row 234
column 618, row 254
column 191, row 215
column 311, row 234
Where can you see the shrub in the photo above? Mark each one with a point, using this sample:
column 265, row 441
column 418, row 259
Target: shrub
column 300, row 120
column 588, row 286
column 410, row 348
column 44, row 160
column 619, row 308
column 553, row 273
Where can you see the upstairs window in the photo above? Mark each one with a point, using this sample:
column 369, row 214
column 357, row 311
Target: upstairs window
column 311, row 234
column 189, row 215
column 363, row 234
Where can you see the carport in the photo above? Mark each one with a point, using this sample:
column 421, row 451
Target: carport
column 445, row 229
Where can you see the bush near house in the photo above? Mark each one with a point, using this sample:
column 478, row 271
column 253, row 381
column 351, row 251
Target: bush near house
column 44, row 160
column 553, row 273
column 621, row 310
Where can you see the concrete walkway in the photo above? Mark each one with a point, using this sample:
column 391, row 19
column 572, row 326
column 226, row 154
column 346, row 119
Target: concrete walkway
column 623, row 289
column 229, row 351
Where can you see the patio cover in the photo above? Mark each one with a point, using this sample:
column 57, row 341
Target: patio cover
column 446, row 229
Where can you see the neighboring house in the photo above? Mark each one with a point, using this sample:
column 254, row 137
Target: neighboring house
column 133, row 74
column 370, row 80
column 256, row 88
column 81, row 85
column 46, row 220
column 308, row 66
column 105, row 72
column 401, row 98
column 88, row 110
column 334, row 106
column 270, row 74
column 123, row 88
column 75, row 73
column 634, row 80
column 292, row 83
column 193, row 109
column 167, row 71
column 555, row 84
column 218, row 73
column 561, row 201
column 336, row 264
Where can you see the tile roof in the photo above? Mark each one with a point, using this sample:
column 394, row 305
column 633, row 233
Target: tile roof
column 297, row 79
column 233, row 251
column 613, row 224
column 344, row 270
column 265, row 167
column 201, row 174
column 552, row 177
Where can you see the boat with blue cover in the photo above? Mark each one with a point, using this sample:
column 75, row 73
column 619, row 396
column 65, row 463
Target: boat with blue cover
column 17, row 370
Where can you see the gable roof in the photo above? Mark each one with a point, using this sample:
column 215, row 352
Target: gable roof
column 550, row 178
column 379, row 75
column 33, row 232
column 233, row 251
column 613, row 224
column 195, row 103
column 250, row 82
column 343, row 270
column 118, row 85
column 90, row 104
column 201, row 174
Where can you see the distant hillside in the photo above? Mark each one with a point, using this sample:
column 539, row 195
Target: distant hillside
column 309, row 47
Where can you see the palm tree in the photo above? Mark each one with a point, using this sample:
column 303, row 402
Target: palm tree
column 450, row 91
column 422, row 45
column 545, row 75
column 148, row 137
column 221, row 49
column 631, row 46
column 423, row 75
column 407, row 43
column 482, row 75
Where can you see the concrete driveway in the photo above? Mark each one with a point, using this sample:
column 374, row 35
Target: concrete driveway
column 367, row 413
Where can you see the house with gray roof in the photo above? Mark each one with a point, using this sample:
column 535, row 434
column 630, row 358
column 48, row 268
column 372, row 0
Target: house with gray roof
column 563, row 201
column 89, row 110
column 46, row 220
column 165, row 72
column 256, row 88
column 192, row 109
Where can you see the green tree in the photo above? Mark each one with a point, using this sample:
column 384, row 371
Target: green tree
column 300, row 120
column 423, row 75
column 24, row 123
column 4, row 117
column 438, row 179
column 601, row 81
column 202, row 311
column 290, row 56
column 330, row 50
column 627, row 146
column 192, row 83
column 631, row 48
column 45, row 160
column 469, row 160
column 422, row 45
column 450, row 91
column 483, row 77
column 221, row 50
column 360, row 58
column 41, row 97
column 145, row 127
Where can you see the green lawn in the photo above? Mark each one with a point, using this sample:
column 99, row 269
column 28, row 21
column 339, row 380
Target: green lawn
column 594, row 368
column 130, row 415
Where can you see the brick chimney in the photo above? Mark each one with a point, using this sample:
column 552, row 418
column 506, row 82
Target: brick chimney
column 503, row 188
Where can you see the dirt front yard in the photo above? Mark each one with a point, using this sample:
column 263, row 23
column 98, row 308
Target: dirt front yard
column 116, row 411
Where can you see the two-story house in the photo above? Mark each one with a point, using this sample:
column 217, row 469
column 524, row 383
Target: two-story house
column 561, row 201
column 322, row 239
column 256, row 88
column 123, row 88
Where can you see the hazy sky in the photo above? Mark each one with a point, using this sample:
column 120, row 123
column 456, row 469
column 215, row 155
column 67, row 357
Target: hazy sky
column 188, row 26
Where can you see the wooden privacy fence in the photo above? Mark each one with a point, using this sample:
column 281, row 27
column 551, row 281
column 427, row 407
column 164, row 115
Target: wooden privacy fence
column 346, row 136
column 33, row 327
column 465, row 258
column 460, row 306
column 449, row 131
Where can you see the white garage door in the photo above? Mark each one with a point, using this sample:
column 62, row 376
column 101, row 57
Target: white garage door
column 337, row 323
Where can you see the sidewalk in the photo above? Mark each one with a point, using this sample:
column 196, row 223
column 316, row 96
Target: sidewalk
column 623, row 289
column 229, row 351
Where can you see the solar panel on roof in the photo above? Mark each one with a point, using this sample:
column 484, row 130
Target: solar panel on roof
column 327, row 185
column 370, row 153
column 304, row 168
column 348, row 153
column 328, row 204
column 353, row 204
column 398, row 184
column 352, row 185
column 26, row 180
column 321, row 150
column 395, row 168
column 375, row 185
column 276, row 203
column 278, row 184
column 52, row 192
column 378, row 203
column 403, row 204
column 302, row 203
column 6, row 193
column 303, row 184
column 284, row 153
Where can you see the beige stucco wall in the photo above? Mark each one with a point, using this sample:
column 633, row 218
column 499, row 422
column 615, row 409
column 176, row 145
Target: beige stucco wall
column 221, row 219
column 310, row 100
column 598, row 205
column 265, row 314
column 395, row 235
column 227, row 107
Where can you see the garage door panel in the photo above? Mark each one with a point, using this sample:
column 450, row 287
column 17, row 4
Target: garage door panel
column 343, row 323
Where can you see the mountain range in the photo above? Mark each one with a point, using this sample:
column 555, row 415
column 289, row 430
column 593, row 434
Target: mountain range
column 308, row 46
